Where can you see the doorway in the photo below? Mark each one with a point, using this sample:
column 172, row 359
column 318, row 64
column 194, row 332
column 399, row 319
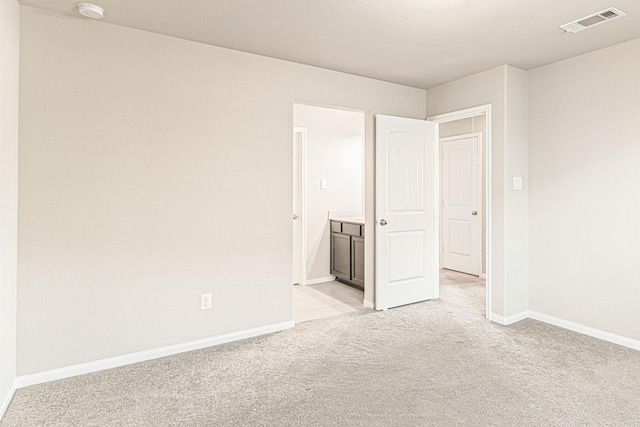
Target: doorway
column 328, row 183
column 461, row 204
column 465, row 205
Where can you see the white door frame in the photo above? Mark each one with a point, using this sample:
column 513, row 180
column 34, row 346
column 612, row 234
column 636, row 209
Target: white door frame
column 300, row 174
column 478, row 136
column 465, row 114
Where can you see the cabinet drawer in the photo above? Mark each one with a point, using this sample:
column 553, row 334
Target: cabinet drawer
column 336, row 227
column 352, row 229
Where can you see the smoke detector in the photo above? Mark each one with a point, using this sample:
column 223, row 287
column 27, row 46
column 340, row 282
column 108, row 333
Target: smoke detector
column 91, row 10
column 592, row 20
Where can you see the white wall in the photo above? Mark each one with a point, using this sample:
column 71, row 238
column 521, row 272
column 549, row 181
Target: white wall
column 335, row 152
column 516, row 203
column 9, row 58
column 153, row 169
column 501, row 87
column 584, row 200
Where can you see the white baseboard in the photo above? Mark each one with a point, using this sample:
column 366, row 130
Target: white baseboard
column 7, row 399
column 367, row 304
column 329, row 278
column 587, row 330
column 141, row 356
column 510, row 320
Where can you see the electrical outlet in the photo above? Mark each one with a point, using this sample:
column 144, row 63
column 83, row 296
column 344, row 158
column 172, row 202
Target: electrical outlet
column 205, row 302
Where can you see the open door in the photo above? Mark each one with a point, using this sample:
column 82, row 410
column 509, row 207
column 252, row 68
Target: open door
column 406, row 211
column 461, row 204
column 299, row 214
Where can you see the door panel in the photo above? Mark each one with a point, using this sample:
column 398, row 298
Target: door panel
column 461, row 232
column 406, row 251
column 406, row 165
column 459, row 242
column 406, row 194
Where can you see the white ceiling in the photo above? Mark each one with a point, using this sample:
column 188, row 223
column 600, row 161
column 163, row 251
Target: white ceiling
column 421, row 43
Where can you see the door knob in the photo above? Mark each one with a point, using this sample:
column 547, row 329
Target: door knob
column 383, row 222
column 474, row 213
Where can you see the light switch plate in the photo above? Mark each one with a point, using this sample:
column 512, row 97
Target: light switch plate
column 517, row 183
column 323, row 184
column 205, row 302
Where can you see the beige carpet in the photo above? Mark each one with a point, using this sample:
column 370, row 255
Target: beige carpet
column 437, row 363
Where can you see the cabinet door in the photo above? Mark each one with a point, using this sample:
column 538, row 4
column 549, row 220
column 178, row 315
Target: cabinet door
column 357, row 261
column 341, row 256
column 352, row 229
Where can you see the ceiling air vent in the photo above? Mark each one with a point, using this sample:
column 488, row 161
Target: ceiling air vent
column 592, row 20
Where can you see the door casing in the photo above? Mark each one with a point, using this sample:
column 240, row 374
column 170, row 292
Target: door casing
column 299, row 206
column 486, row 153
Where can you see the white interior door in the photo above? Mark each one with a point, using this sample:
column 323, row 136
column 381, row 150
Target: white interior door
column 406, row 211
column 298, row 216
column 461, row 212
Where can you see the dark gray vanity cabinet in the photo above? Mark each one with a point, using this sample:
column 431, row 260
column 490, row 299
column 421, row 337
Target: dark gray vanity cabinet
column 347, row 252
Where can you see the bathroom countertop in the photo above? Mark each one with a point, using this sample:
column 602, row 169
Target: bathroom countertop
column 351, row 219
